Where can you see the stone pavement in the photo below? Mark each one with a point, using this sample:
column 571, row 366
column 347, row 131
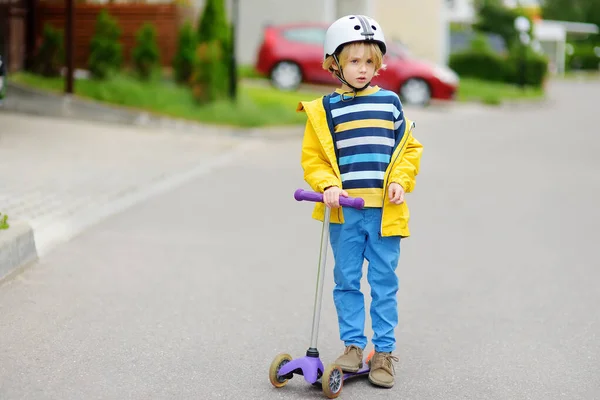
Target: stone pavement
column 61, row 175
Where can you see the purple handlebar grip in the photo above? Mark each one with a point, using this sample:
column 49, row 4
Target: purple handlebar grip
column 354, row 202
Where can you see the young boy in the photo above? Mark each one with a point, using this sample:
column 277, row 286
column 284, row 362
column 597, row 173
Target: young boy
column 357, row 143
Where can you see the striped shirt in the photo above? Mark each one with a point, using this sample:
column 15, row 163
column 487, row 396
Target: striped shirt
column 366, row 130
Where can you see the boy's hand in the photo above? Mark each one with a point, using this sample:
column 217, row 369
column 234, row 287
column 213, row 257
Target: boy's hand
column 396, row 193
column 331, row 196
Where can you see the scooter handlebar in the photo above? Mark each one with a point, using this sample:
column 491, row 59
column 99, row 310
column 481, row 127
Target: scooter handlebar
column 305, row 195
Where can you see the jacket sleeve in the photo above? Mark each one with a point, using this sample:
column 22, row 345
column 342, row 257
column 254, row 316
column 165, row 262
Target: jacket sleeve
column 318, row 172
column 407, row 169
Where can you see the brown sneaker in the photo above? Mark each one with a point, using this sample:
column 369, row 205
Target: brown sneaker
column 382, row 369
column 351, row 360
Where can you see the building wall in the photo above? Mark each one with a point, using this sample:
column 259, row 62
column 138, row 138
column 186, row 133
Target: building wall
column 255, row 14
column 421, row 25
column 347, row 7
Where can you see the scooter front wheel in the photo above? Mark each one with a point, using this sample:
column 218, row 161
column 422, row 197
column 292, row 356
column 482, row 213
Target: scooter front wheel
column 332, row 381
column 279, row 361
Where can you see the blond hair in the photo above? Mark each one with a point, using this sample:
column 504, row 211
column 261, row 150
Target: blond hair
column 373, row 49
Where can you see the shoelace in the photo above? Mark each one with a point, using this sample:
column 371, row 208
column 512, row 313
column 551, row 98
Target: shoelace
column 387, row 362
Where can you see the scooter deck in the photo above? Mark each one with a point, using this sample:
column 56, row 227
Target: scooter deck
column 363, row 371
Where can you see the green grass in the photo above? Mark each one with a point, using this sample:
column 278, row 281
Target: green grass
column 4, row 221
column 495, row 92
column 256, row 105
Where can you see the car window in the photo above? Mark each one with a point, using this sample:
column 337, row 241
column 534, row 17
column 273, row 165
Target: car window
column 305, row 35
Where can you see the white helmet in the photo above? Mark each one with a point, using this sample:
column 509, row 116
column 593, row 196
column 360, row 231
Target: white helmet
column 353, row 28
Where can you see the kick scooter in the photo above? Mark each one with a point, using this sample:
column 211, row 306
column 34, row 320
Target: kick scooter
column 310, row 366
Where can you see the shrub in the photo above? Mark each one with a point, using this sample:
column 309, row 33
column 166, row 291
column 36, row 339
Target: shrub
column 536, row 67
column 211, row 75
column 209, row 80
column 51, row 55
column 480, row 61
column 106, row 53
column 213, row 23
column 4, row 221
column 146, row 55
column 583, row 58
column 185, row 57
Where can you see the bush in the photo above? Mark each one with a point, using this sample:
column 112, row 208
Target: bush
column 146, row 55
column 583, row 58
column 486, row 66
column 210, row 78
column 4, row 221
column 213, row 23
column 480, row 61
column 106, row 53
column 51, row 55
column 536, row 67
column 185, row 58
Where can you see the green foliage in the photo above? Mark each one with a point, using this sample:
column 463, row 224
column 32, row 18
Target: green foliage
column 572, row 10
column 494, row 17
column 4, row 221
column 51, row 55
column 210, row 78
column 479, row 61
column 536, row 66
column 145, row 54
column 213, row 23
column 185, row 58
column 583, row 58
column 106, row 53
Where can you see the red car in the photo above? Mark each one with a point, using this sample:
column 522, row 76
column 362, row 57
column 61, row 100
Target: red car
column 292, row 54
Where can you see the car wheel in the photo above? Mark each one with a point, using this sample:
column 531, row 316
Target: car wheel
column 415, row 91
column 286, row 75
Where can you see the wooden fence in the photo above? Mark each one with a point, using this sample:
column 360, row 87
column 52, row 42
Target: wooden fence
column 129, row 17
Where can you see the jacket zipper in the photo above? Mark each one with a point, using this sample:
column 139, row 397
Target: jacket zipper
column 387, row 177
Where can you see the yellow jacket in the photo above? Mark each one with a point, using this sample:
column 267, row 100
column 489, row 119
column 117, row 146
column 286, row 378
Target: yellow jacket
column 321, row 168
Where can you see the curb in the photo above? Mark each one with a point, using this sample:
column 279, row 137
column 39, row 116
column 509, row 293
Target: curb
column 25, row 100
column 17, row 249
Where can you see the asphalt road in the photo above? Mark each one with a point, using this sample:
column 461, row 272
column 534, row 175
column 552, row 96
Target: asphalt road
column 192, row 293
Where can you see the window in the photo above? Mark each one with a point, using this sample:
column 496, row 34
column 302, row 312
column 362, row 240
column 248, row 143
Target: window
column 305, row 35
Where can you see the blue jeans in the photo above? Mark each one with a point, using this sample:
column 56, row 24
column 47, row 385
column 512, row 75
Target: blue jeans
column 352, row 242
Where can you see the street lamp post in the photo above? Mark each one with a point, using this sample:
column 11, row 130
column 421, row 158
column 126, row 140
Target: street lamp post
column 522, row 26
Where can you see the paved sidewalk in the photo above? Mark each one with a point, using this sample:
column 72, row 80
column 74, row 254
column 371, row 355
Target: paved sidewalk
column 61, row 175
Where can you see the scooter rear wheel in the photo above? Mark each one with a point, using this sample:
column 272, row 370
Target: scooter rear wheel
column 279, row 361
column 332, row 381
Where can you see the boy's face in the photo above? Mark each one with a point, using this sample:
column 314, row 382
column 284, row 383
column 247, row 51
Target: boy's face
column 359, row 66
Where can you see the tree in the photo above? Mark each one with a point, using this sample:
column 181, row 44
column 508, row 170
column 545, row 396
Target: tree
column 146, row 55
column 210, row 78
column 185, row 58
column 106, row 51
column 494, row 17
column 573, row 10
column 213, row 23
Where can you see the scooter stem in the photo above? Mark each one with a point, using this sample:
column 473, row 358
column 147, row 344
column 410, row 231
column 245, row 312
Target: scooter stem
column 312, row 351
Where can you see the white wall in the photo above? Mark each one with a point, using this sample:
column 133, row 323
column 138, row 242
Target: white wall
column 255, row 14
